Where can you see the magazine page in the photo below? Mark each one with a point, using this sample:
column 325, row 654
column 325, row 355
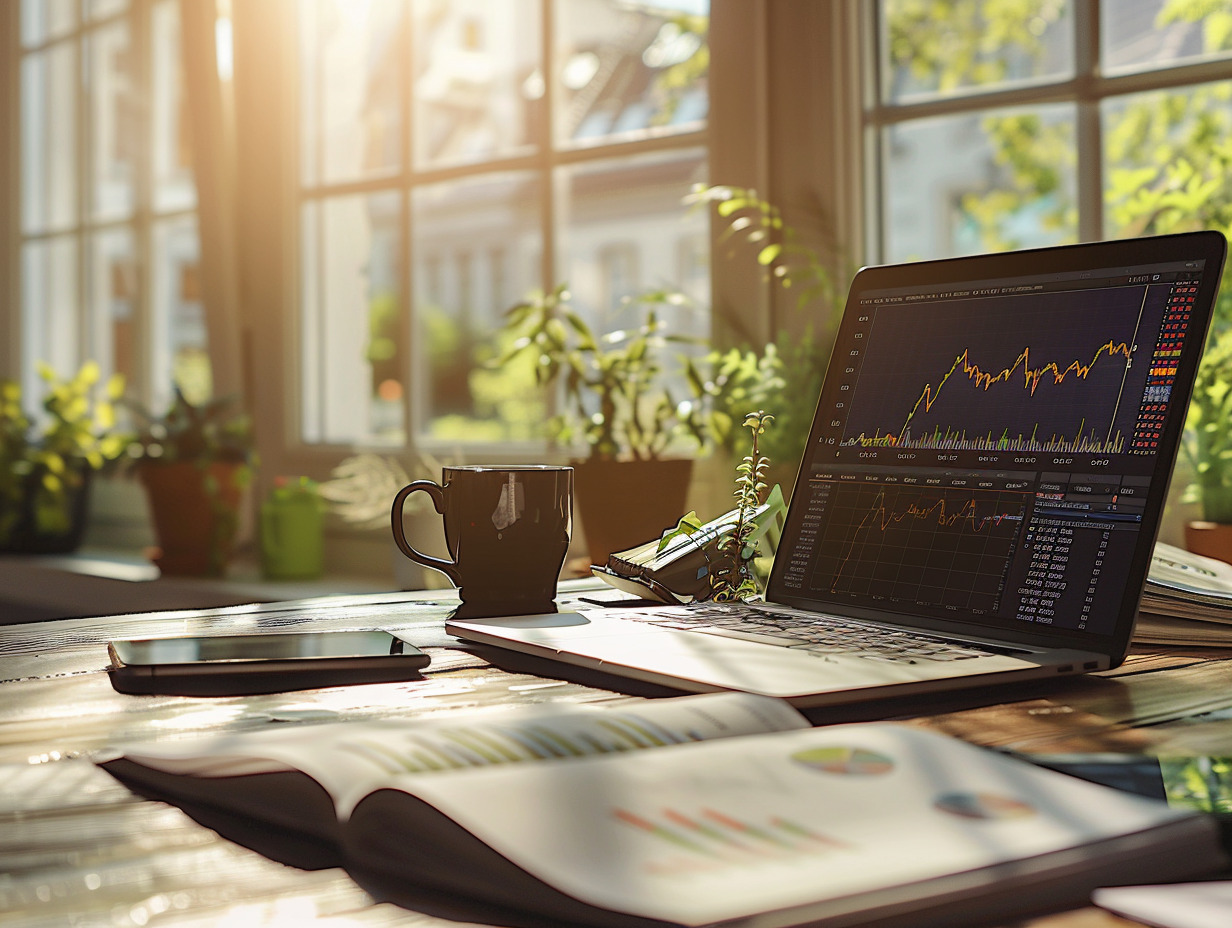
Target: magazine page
column 350, row 758
column 1178, row 905
column 1178, row 569
column 809, row 821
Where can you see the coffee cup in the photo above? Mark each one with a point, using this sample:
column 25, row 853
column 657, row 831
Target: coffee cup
column 507, row 532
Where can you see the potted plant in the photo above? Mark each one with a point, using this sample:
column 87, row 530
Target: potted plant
column 618, row 398
column 784, row 376
column 1208, row 450
column 292, row 530
column 359, row 491
column 195, row 462
column 45, row 466
column 728, row 549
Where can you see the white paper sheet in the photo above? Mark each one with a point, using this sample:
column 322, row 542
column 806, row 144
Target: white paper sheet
column 1178, row 905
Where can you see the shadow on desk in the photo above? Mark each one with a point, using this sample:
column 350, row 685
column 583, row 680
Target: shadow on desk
column 1033, row 694
column 33, row 592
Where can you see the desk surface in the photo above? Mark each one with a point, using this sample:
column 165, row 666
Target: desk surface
column 77, row 848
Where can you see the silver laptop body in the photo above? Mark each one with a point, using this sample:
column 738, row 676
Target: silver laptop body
column 980, row 492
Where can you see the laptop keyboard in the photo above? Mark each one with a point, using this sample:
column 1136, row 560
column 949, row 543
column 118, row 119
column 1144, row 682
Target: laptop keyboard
column 821, row 635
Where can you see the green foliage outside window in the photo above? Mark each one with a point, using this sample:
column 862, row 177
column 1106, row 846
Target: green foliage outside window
column 1167, row 156
column 1203, row 783
column 505, row 403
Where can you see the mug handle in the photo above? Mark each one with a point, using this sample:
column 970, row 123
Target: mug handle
column 434, row 490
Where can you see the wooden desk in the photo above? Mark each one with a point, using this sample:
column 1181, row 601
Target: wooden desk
column 76, row 847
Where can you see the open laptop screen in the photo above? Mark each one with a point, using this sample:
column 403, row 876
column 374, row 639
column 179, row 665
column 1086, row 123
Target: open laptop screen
column 995, row 435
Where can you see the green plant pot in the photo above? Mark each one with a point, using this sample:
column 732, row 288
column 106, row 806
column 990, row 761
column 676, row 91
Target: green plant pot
column 292, row 538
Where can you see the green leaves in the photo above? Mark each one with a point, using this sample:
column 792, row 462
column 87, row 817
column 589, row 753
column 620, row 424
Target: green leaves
column 778, row 248
column 75, row 430
column 1208, row 433
column 187, row 431
column 734, row 580
column 613, row 386
column 687, row 524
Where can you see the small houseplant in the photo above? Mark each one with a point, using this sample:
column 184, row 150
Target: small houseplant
column 1208, row 450
column 616, row 387
column 46, row 465
column 730, row 570
column 618, row 395
column 292, row 530
column 194, row 460
column 358, row 493
column 733, row 580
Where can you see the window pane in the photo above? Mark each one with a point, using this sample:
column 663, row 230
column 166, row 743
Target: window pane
column 1142, row 34
column 477, row 249
column 49, row 138
column 478, row 89
column 353, row 389
column 112, row 93
column 172, row 147
column 113, row 302
column 624, row 230
column 177, row 319
column 971, row 183
column 50, row 298
column 630, row 69
column 45, row 19
column 1162, row 171
column 100, row 8
column 950, row 49
column 350, row 76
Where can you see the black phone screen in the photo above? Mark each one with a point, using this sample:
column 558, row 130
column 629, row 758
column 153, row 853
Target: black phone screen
column 268, row 647
column 261, row 663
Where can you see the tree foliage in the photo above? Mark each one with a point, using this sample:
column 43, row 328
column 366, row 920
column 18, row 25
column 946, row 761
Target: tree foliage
column 1166, row 158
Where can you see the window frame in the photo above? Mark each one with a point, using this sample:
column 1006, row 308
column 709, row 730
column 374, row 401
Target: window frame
column 1085, row 89
column 783, row 119
column 139, row 222
column 543, row 161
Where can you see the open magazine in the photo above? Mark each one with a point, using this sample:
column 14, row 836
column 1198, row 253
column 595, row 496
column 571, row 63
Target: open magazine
column 723, row 809
column 1187, row 600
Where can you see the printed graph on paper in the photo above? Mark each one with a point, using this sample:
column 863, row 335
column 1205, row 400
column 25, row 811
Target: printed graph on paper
column 941, row 546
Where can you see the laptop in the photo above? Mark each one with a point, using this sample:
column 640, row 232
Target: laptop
column 979, row 496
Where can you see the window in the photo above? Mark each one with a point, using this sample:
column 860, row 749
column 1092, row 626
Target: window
column 456, row 154
column 109, row 252
column 1091, row 119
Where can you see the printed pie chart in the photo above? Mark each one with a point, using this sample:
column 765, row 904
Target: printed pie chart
column 847, row 761
column 983, row 805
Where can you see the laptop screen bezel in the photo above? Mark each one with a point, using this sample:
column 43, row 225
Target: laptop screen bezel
column 1207, row 246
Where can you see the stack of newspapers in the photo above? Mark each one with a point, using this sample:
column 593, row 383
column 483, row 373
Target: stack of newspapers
column 1188, row 600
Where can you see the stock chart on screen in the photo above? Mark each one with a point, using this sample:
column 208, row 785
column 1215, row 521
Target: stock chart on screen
column 983, row 448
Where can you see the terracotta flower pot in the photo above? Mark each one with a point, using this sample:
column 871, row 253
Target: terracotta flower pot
column 1210, row 539
column 195, row 511
column 626, row 503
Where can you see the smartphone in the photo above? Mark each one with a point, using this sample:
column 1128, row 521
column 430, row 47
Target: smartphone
column 243, row 665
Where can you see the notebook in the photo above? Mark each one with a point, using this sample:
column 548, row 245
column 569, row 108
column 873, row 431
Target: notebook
column 979, row 496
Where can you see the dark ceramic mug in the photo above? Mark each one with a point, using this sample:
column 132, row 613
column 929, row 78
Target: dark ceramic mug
column 507, row 531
